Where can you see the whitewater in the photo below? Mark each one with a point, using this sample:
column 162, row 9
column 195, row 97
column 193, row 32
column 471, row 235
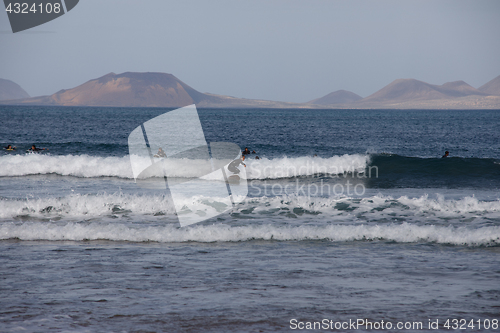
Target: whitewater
column 95, row 166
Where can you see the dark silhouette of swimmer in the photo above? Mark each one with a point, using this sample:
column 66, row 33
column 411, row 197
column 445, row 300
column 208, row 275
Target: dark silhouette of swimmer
column 257, row 157
column 245, row 152
column 33, row 148
column 446, row 153
column 233, row 166
column 160, row 153
column 9, row 147
column 253, row 152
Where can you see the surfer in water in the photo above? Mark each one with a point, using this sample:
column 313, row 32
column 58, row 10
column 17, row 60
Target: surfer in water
column 247, row 152
column 35, row 149
column 446, row 153
column 233, row 166
column 160, row 153
column 10, row 148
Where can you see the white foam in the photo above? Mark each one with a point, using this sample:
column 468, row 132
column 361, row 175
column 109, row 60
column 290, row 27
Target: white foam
column 468, row 204
column 335, row 219
column 403, row 233
column 66, row 165
column 93, row 166
column 320, row 209
column 78, row 206
column 379, row 207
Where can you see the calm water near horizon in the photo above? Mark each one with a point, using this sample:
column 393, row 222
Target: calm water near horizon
column 375, row 227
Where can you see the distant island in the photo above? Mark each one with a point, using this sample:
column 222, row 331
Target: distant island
column 11, row 91
column 132, row 89
column 414, row 94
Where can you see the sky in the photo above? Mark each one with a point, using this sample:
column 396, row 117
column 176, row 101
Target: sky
column 282, row 50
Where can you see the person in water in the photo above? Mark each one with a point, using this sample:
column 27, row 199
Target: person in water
column 446, row 153
column 245, row 152
column 33, row 148
column 9, row 147
column 233, row 166
column 160, row 153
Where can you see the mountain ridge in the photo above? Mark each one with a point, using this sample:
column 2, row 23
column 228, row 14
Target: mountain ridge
column 144, row 89
column 153, row 89
column 415, row 94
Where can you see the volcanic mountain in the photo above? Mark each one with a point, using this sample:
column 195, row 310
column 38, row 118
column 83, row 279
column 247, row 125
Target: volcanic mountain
column 132, row 89
column 414, row 94
column 10, row 90
column 492, row 87
column 405, row 90
column 336, row 98
column 128, row 90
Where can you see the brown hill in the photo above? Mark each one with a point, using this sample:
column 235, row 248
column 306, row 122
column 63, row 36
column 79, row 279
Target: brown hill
column 133, row 89
column 413, row 91
column 336, row 98
column 492, row 87
column 458, row 89
column 127, row 89
column 10, row 90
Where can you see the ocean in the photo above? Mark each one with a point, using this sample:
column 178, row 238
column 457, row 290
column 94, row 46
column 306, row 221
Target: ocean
column 352, row 222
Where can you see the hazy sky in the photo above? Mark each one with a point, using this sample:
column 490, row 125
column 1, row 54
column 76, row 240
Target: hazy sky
column 286, row 50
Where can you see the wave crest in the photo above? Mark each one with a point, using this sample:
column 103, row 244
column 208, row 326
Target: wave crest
column 93, row 166
column 66, row 165
column 289, row 209
column 402, row 233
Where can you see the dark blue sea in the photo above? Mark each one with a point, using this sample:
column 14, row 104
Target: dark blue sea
column 352, row 222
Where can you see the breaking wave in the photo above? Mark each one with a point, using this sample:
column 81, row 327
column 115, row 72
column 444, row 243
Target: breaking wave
column 93, row 166
column 401, row 233
column 373, row 208
column 141, row 218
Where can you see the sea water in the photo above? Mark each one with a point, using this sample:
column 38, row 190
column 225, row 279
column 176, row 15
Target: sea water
column 352, row 222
